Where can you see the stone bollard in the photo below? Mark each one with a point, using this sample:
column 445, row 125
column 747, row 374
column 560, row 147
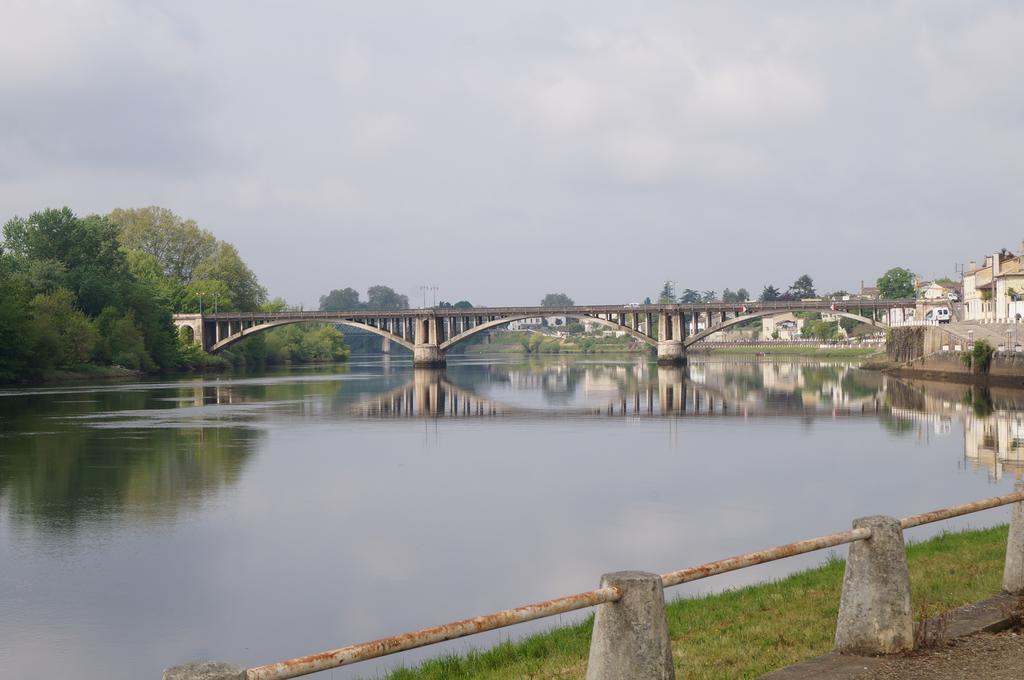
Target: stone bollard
column 630, row 639
column 874, row 610
column 1013, row 573
column 205, row 670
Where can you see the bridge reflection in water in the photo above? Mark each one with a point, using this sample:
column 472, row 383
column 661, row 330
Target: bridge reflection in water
column 640, row 390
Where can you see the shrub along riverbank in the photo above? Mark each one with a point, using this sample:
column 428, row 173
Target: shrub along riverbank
column 746, row 632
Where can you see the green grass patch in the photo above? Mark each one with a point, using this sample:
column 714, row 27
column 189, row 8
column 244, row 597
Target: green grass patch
column 746, row 632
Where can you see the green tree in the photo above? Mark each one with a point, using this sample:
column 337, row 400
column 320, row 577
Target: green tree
column 121, row 342
column 86, row 249
column 178, row 245
column 16, row 343
column 557, row 300
column 384, row 297
column 896, row 283
column 215, row 294
column 667, row 296
column 689, row 296
column 344, row 300
column 823, row 330
column 707, row 296
column 463, row 304
column 226, row 265
column 803, row 287
column 770, row 293
column 65, row 336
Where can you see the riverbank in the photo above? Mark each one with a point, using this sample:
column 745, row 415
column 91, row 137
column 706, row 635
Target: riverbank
column 794, row 351
column 750, row 631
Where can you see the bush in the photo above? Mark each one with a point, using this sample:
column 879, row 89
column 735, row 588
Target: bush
column 979, row 357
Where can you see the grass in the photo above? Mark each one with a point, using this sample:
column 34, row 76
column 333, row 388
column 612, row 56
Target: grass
column 750, row 631
column 795, row 350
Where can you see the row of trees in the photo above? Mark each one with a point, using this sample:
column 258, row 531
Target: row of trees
column 101, row 289
column 897, row 283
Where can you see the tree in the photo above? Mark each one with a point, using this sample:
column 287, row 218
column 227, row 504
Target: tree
column 344, row 300
column 822, row 330
column 383, row 297
column 215, row 296
column 226, row 265
column 64, row 335
column 463, row 304
column 707, row 296
column 803, row 287
column 16, row 343
column 770, row 293
column 667, row 296
column 557, row 300
column 689, row 296
column 896, row 283
column 81, row 254
column 178, row 245
column 742, row 295
column 647, row 300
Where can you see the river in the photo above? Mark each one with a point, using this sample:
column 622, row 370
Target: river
column 252, row 518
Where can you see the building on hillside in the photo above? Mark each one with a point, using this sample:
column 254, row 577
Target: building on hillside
column 931, row 290
column 781, row 327
column 995, row 290
column 556, row 322
column 868, row 293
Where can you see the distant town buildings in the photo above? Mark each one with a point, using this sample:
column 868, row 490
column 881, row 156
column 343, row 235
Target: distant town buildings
column 994, row 291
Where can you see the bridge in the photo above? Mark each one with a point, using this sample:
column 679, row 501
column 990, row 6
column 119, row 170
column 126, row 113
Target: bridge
column 430, row 333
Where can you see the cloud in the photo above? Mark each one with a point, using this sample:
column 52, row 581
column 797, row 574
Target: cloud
column 395, row 130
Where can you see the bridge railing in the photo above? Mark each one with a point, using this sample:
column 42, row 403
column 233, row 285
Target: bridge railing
column 630, row 631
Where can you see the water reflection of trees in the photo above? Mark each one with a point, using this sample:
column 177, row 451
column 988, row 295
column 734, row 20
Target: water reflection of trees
column 70, row 457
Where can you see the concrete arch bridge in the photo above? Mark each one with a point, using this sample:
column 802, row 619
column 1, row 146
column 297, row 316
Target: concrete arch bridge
column 430, row 333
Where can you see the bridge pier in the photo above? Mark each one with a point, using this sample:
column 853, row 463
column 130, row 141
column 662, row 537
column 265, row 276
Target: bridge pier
column 670, row 339
column 427, row 351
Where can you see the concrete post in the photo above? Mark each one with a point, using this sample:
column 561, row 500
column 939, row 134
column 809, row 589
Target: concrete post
column 1013, row 573
column 874, row 610
column 205, row 670
column 630, row 638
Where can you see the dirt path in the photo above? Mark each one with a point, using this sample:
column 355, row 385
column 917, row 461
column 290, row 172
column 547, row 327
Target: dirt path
column 984, row 656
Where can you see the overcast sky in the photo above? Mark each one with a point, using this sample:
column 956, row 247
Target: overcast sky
column 504, row 150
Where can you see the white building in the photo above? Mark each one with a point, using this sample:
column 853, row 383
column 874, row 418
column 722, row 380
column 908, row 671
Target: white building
column 995, row 290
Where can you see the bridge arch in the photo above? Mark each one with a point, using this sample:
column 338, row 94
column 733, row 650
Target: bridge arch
column 697, row 337
column 469, row 332
column 259, row 328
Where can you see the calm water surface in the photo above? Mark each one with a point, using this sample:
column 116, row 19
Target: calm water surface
column 256, row 518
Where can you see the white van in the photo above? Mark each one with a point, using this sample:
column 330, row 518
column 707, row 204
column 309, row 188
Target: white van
column 940, row 314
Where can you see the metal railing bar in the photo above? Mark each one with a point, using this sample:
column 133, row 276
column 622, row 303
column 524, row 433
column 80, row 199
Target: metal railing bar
column 674, row 578
column 294, row 668
column 958, row 510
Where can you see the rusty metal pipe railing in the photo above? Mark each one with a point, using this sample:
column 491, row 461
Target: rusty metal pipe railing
column 343, row 656
column 959, row 510
column 674, row 578
column 294, row 668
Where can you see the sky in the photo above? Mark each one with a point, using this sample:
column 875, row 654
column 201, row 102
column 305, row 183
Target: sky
column 503, row 150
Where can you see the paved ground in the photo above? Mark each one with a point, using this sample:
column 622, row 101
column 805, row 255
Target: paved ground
column 985, row 656
column 994, row 334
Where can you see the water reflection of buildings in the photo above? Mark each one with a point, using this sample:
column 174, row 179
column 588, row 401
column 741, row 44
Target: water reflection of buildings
column 993, row 420
column 996, row 442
